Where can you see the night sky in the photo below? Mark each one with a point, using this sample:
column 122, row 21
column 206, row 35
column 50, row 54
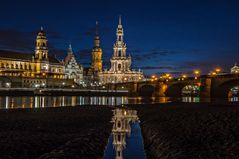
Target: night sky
column 162, row 35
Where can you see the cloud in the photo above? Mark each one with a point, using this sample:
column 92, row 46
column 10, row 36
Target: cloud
column 59, row 53
column 16, row 40
column 91, row 31
column 152, row 54
column 157, row 68
column 85, row 53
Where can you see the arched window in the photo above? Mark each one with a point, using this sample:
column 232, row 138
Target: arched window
column 2, row 65
column 119, row 138
column 120, row 38
column 12, row 66
column 119, row 67
column 119, row 124
column 119, row 53
column 43, row 44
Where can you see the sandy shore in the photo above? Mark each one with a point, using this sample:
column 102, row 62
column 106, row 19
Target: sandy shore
column 70, row 132
column 183, row 131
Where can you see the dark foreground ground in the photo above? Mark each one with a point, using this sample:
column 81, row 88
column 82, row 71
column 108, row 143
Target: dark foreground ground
column 70, row 132
column 188, row 131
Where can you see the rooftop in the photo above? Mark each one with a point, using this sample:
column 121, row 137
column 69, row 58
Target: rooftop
column 23, row 56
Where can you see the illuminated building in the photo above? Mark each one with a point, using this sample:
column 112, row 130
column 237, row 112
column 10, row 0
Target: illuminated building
column 73, row 70
column 235, row 69
column 96, row 64
column 122, row 120
column 91, row 74
column 120, row 70
column 32, row 70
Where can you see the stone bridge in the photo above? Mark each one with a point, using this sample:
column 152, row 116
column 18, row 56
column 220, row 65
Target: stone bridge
column 210, row 86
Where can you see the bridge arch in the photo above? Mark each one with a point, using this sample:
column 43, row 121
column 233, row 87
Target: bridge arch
column 182, row 89
column 190, row 90
column 146, row 90
column 226, row 89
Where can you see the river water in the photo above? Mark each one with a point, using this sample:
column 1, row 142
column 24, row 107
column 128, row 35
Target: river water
column 11, row 102
column 125, row 141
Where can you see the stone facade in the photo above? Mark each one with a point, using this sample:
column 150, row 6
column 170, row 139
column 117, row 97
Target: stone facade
column 120, row 70
column 73, row 70
column 32, row 67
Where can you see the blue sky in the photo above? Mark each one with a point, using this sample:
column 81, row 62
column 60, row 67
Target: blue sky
column 162, row 36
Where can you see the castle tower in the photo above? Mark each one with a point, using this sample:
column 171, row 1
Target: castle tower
column 96, row 64
column 41, row 50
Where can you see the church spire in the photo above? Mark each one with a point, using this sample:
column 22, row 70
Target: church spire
column 97, row 38
column 120, row 20
column 97, row 28
column 120, row 33
column 70, row 49
column 96, row 64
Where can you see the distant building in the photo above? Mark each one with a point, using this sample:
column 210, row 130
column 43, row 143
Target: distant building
column 96, row 64
column 33, row 70
column 120, row 70
column 91, row 74
column 235, row 69
column 73, row 70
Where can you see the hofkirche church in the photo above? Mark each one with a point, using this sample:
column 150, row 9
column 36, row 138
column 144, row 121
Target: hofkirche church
column 39, row 69
column 120, row 70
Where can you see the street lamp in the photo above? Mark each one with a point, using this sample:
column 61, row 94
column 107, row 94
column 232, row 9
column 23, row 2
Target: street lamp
column 218, row 70
column 214, row 73
column 153, row 78
column 196, row 72
column 184, row 76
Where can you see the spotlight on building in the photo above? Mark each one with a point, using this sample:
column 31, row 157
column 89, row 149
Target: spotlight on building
column 36, row 85
column 8, row 84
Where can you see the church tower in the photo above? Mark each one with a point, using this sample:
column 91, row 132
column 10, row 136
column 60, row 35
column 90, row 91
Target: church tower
column 120, row 70
column 96, row 64
column 120, row 62
column 41, row 50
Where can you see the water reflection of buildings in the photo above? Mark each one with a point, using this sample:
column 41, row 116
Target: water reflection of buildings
column 8, row 102
column 189, row 99
column 234, row 99
column 122, row 119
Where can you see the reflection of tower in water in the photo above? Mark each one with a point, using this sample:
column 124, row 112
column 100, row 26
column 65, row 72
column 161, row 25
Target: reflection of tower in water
column 122, row 119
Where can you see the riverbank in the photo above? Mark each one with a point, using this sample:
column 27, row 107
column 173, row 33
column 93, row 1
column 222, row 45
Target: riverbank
column 67, row 132
column 195, row 131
